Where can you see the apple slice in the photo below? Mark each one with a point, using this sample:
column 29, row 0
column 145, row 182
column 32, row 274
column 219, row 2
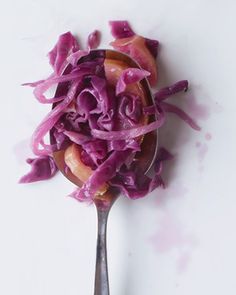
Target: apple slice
column 135, row 46
column 78, row 168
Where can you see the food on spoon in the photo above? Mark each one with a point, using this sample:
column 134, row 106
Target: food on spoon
column 142, row 50
column 100, row 114
column 136, row 47
column 73, row 160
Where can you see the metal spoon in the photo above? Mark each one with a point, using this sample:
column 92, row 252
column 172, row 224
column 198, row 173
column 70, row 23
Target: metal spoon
column 144, row 161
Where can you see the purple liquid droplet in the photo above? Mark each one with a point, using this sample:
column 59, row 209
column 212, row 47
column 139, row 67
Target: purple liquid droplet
column 208, row 136
column 197, row 110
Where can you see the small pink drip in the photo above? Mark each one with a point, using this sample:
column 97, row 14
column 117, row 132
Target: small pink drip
column 183, row 262
column 208, row 136
column 202, row 152
column 171, row 235
column 198, row 144
column 197, row 110
column 22, row 150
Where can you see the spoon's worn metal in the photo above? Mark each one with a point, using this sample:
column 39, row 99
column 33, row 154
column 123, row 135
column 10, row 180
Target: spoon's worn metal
column 143, row 160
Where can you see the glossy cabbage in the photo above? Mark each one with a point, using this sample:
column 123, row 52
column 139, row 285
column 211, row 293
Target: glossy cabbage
column 42, row 168
column 106, row 121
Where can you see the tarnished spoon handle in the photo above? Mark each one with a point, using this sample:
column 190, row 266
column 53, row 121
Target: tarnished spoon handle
column 101, row 275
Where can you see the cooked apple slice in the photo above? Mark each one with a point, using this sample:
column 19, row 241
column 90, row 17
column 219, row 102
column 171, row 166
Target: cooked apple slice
column 113, row 71
column 136, row 47
column 78, row 168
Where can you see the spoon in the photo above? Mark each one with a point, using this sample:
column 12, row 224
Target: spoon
column 103, row 203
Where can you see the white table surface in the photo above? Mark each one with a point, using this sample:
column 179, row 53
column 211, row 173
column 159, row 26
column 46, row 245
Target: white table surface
column 178, row 241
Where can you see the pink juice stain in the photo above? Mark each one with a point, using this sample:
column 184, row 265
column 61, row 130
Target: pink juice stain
column 173, row 190
column 204, row 109
column 168, row 236
column 198, row 144
column 172, row 236
column 183, row 262
column 199, row 111
column 22, row 150
column 202, row 150
column 208, row 136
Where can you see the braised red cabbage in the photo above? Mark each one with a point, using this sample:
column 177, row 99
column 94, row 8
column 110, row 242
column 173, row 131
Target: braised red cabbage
column 130, row 76
column 42, row 168
column 93, row 40
column 104, row 120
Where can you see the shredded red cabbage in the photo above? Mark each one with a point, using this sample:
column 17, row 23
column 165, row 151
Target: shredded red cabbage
column 93, row 40
column 121, row 29
column 42, row 168
column 104, row 172
column 99, row 109
column 65, row 45
column 128, row 133
column 130, row 76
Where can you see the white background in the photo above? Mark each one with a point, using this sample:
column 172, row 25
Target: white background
column 178, row 241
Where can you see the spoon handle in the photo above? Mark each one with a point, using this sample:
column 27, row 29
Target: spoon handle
column 101, row 275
